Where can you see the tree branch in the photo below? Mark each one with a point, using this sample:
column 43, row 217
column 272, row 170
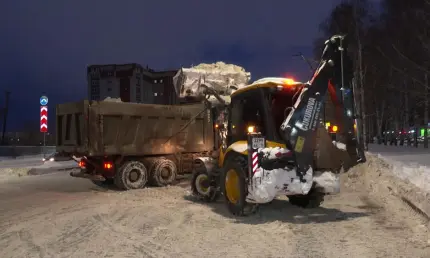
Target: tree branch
column 419, row 67
column 400, row 70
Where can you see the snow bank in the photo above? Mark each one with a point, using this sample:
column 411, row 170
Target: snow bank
column 13, row 172
column 416, row 174
column 407, row 163
column 8, row 173
column 383, row 178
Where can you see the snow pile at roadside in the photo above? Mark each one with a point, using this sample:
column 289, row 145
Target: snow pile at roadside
column 409, row 164
column 380, row 179
column 417, row 174
column 7, row 173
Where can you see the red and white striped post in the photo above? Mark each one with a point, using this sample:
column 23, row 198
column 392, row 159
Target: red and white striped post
column 254, row 162
column 44, row 120
column 255, row 142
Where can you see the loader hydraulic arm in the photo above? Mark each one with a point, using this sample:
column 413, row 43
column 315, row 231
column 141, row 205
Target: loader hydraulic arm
column 299, row 129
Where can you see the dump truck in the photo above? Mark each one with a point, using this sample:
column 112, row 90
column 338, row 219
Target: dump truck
column 131, row 144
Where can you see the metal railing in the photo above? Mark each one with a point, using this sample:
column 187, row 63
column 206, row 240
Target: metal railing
column 17, row 151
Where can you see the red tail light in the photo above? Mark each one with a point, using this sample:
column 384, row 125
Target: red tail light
column 82, row 164
column 108, row 165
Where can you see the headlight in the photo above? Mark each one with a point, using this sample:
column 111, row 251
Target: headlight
column 51, row 159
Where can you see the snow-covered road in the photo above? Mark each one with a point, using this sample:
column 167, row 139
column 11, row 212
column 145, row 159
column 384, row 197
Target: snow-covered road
column 58, row 216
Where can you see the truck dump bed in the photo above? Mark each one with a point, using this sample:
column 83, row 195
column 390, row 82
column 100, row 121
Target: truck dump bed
column 115, row 128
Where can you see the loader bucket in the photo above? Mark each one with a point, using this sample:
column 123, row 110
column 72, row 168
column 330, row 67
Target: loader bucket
column 328, row 156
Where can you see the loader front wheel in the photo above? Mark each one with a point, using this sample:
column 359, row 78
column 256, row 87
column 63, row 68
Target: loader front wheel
column 203, row 186
column 313, row 199
column 131, row 175
column 234, row 186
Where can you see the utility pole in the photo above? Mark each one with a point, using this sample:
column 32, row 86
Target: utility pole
column 5, row 113
column 426, row 111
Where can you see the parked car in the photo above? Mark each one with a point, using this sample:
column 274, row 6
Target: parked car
column 56, row 157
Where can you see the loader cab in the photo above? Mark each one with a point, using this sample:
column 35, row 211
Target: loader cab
column 249, row 112
column 260, row 109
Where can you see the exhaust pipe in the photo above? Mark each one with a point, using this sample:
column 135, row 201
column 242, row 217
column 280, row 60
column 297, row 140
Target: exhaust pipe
column 93, row 177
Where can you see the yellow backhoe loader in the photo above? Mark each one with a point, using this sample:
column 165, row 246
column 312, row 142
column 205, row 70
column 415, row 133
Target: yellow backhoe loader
column 274, row 142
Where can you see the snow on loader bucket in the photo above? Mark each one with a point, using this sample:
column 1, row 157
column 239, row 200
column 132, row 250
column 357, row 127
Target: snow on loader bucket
column 272, row 174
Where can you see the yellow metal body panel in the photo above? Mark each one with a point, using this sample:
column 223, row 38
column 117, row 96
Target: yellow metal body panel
column 299, row 144
column 242, row 148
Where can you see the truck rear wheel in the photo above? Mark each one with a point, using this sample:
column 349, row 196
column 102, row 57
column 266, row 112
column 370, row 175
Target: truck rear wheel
column 163, row 172
column 131, row 175
column 234, row 186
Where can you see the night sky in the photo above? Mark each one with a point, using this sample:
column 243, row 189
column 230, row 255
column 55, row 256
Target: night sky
column 46, row 45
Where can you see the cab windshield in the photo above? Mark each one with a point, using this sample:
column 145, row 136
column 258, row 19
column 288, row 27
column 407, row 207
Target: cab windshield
column 281, row 103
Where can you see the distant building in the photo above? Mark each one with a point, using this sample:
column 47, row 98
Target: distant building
column 163, row 91
column 131, row 83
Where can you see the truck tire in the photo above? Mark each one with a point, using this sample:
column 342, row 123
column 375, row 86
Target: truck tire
column 234, row 186
column 203, row 186
column 312, row 200
column 131, row 175
column 163, row 172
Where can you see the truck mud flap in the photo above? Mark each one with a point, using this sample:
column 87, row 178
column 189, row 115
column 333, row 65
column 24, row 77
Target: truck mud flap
column 82, row 174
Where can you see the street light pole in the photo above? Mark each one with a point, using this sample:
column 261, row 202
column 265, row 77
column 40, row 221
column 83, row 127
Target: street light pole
column 5, row 113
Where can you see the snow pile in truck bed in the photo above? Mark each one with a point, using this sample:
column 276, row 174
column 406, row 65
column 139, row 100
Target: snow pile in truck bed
column 219, row 76
column 109, row 99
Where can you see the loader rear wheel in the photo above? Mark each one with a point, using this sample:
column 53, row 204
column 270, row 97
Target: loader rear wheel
column 163, row 172
column 131, row 175
column 312, row 200
column 234, row 186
